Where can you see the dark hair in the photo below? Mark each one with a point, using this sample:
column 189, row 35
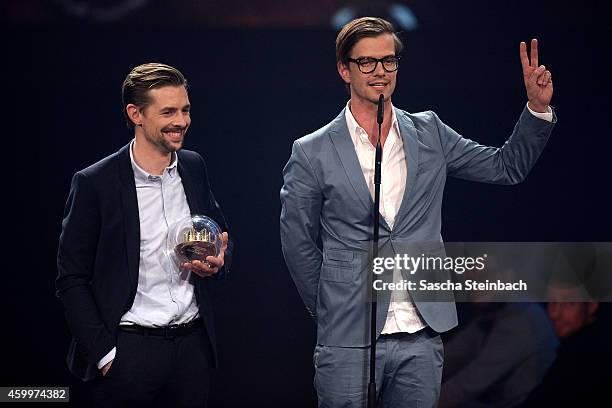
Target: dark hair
column 363, row 27
column 141, row 79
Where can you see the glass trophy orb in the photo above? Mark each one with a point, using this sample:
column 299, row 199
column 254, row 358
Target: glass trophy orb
column 194, row 238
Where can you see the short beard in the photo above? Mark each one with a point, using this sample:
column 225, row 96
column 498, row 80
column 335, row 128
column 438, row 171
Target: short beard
column 162, row 144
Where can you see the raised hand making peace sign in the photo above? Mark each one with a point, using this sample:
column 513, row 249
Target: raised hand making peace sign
column 538, row 80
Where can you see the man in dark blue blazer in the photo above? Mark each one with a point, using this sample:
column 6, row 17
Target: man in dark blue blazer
column 327, row 211
column 142, row 326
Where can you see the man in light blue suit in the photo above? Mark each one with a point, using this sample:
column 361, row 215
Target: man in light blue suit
column 327, row 199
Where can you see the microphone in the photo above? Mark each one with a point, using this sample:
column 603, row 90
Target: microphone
column 378, row 155
column 376, row 228
column 381, row 109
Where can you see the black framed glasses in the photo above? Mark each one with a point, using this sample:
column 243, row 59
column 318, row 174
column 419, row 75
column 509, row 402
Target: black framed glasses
column 367, row 65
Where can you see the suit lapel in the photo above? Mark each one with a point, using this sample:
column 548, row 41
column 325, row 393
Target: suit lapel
column 341, row 139
column 411, row 151
column 192, row 192
column 129, row 203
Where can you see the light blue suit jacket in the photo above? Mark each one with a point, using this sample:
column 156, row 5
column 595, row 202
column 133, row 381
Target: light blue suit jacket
column 326, row 218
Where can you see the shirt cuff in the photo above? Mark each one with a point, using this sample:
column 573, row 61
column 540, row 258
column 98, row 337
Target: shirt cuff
column 547, row 116
column 109, row 357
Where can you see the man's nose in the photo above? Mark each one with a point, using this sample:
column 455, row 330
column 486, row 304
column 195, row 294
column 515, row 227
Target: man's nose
column 180, row 120
column 379, row 70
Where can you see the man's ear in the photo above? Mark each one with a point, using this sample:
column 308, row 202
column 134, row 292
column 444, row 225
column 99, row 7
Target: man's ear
column 134, row 113
column 344, row 72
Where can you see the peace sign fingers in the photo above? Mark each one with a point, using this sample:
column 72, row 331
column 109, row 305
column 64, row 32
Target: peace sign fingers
column 527, row 65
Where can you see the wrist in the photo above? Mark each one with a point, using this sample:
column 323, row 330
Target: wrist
column 536, row 107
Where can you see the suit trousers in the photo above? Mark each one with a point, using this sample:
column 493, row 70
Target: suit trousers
column 408, row 372
column 157, row 371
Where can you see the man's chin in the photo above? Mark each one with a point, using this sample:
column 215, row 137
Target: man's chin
column 171, row 147
column 374, row 97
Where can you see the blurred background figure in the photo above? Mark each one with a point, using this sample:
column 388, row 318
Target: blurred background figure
column 580, row 376
column 569, row 317
column 498, row 356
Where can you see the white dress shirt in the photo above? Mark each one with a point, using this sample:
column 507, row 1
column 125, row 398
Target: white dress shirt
column 401, row 316
column 163, row 296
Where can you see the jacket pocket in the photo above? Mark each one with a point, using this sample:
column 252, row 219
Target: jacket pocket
column 338, row 265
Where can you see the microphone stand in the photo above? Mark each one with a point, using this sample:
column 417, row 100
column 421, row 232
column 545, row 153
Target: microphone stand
column 377, row 180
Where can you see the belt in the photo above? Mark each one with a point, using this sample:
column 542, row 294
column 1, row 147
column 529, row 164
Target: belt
column 397, row 335
column 173, row 330
column 400, row 335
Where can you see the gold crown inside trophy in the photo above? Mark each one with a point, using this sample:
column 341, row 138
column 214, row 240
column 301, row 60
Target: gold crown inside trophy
column 194, row 238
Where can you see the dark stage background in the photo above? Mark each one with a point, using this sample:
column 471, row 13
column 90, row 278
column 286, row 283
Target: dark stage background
column 255, row 86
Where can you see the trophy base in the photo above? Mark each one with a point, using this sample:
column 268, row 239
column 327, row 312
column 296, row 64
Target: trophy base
column 195, row 250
